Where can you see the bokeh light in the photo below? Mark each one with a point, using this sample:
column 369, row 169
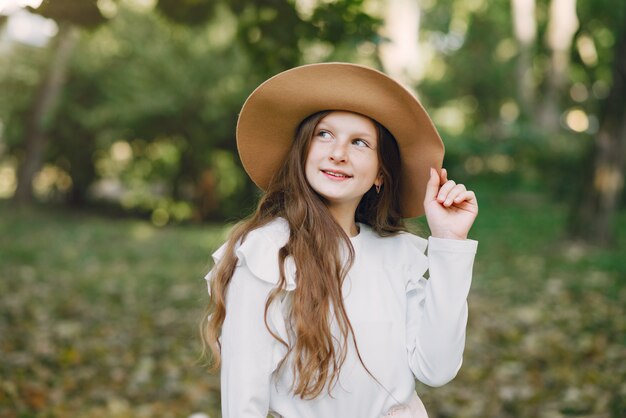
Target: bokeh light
column 577, row 120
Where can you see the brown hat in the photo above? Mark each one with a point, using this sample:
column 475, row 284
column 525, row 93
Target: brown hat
column 271, row 114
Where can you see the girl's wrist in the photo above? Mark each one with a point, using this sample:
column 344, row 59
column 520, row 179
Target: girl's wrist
column 449, row 236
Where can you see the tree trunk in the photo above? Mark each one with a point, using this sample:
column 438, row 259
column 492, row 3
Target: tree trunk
column 400, row 55
column 41, row 111
column 592, row 219
column 525, row 30
column 562, row 27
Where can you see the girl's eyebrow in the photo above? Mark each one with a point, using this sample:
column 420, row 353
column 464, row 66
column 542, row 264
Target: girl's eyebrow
column 324, row 124
column 363, row 135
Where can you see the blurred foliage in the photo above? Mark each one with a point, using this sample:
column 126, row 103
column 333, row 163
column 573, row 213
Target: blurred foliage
column 176, row 73
column 83, row 13
column 189, row 12
column 342, row 21
column 142, row 79
column 93, row 326
column 470, row 86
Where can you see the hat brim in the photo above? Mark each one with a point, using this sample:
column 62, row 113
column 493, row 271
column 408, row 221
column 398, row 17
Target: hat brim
column 271, row 114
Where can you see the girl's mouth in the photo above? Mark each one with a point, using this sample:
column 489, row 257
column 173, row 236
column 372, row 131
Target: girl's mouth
column 336, row 174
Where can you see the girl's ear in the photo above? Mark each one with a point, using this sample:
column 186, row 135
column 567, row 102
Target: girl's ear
column 379, row 180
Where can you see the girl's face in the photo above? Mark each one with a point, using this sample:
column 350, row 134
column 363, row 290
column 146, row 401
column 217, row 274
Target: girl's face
column 342, row 163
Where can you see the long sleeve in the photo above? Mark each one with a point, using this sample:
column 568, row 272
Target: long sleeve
column 250, row 354
column 437, row 311
column 247, row 348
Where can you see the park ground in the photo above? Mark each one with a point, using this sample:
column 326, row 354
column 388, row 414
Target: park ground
column 99, row 316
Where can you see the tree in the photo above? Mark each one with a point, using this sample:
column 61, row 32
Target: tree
column 188, row 12
column 525, row 30
column 562, row 27
column 593, row 214
column 400, row 55
column 69, row 15
column 175, row 85
column 274, row 36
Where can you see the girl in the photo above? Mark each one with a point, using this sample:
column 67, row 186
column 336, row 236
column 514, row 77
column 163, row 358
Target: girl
column 318, row 304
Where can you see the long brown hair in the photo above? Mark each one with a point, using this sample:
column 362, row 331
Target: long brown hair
column 315, row 243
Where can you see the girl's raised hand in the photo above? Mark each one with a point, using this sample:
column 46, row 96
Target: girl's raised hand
column 450, row 208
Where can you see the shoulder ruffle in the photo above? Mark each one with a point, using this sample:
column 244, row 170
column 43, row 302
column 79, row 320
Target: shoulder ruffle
column 417, row 262
column 259, row 252
column 415, row 287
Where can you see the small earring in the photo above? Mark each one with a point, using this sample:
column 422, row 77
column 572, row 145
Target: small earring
column 377, row 189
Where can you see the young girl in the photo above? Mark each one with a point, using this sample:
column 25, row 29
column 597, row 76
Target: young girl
column 318, row 304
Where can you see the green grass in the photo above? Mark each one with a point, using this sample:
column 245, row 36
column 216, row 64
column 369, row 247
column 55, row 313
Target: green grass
column 98, row 317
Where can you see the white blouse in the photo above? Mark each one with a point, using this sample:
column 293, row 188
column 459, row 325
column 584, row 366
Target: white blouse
column 406, row 327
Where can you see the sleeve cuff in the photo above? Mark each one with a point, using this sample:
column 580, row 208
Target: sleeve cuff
column 452, row 245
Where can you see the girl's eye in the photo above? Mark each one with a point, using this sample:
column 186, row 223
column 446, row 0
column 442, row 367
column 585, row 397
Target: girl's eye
column 360, row 143
column 324, row 134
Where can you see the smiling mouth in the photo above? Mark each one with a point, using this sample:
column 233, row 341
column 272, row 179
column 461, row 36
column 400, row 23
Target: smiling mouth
column 336, row 174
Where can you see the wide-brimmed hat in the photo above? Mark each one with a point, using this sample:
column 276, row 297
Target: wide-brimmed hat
column 271, row 114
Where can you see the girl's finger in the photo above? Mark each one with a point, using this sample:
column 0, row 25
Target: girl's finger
column 466, row 196
column 432, row 187
column 454, row 193
column 444, row 176
column 445, row 189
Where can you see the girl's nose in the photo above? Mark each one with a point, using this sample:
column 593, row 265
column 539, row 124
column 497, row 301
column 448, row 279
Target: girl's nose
column 338, row 153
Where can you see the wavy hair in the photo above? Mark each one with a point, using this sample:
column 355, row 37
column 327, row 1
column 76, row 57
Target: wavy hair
column 315, row 243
